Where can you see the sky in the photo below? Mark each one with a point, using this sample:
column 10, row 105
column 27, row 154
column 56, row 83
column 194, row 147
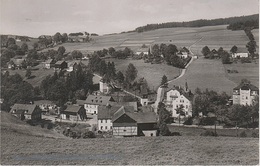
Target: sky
column 46, row 17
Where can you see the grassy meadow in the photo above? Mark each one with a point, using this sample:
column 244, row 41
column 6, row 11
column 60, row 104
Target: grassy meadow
column 206, row 73
column 151, row 72
column 249, row 71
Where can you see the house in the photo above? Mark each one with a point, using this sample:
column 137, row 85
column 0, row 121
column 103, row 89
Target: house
column 15, row 63
column 104, row 87
column 142, row 50
column 61, row 65
column 127, row 122
column 71, row 66
column 26, row 111
column 175, row 98
column 92, row 102
column 46, row 106
column 239, row 55
column 105, row 114
column 183, row 55
column 48, row 64
column 245, row 94
column 74, row 113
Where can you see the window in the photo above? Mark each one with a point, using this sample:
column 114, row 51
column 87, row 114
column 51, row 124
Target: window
column 101, row 121
column 101, row 127
column 105, row 127
column 106, row 121
column 111, row 127
column 187, row 106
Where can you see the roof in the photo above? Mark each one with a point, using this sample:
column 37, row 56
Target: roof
column 119, row 104
column 48, row 61
column 106, row 112
column 59, row 62
column 16, row 61
column 98, row 100
column 27, row 107
column 139, row 117
column 143, row 49
column 73, row 108
column 38, row 102
column 80, row 102
column 246, row 87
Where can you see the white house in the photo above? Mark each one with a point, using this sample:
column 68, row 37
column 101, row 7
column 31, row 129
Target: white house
column 104, row 117
column 245, row 94
column 142, row 50
column 183, row 55
column 92, row 102
column 103, row 87
column 177, row 97
column 241, row 55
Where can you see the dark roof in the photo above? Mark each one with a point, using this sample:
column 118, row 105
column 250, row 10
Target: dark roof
column 16, row 61
column 80, row 102
column 73, row 108
column 27, row 107
column 106, row 112
column 139, row 117
column 60, row 62
column 98, row 100
column 38, row 102
column 246, row 87
column 119, row 104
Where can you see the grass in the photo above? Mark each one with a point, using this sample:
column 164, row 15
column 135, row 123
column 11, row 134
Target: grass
column 151, row 72
column 205, row 73
column 249, row 71
column 30, row 146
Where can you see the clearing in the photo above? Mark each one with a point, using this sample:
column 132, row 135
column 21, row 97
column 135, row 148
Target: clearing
column 206, row 73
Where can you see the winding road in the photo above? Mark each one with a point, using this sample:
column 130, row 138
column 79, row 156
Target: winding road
column 160, row 91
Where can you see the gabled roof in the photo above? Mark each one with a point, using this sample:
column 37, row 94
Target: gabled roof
column 119, row 104
column 80, row 102
column 38, row 102
column 246, row 87
column 106, row 112
column 98, row 100
column 139, row 117
column 49, row 61
column 60, row 62
column 73, row 108
column 26, row 107
column 143, row 49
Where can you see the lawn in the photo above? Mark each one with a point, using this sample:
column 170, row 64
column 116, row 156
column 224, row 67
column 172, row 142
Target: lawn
column 249, row 71
column 151, row 72
column 205, row 73
column 34, row 145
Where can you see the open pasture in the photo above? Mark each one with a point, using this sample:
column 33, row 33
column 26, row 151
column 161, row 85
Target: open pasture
column 205, row 73
column 213, row 36
column 249, row 71
column 151, row 72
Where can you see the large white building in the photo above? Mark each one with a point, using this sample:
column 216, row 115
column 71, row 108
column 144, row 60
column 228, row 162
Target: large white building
column 241, row 55
column 177, row 97
column 92, row 102
column 245, row 94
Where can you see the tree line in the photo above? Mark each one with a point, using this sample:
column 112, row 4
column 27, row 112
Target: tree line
column 197, row 23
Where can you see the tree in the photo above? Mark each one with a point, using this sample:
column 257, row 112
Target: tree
column 32, row 54
column 61, row 50
column 156, row 50
column 233, row 49
column 6, row 56
column 76, row 54
column 131, row 73
column 171, row 49
column 164, row 119
column 24, row 47
column 251, row 47
column 111, row 51
column 164, row 81
column 10, row 41
column 120, row 77
column 13, row 47
column 225, row 58
column 64, row 37
column 205, row 51
column 35, row 45
column 57, row 37
column 28, row 73
column 180, row 111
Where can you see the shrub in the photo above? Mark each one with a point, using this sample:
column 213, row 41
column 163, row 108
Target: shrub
column 91, row 134
column 73, row 125
column 175, row 134
column 207, row 121
column 188, row 121
column 255, row 135
column 78, row 134
column 208, row 133
column 72, row 134
column 243, row 134
column 49, row 126
column 42, row 125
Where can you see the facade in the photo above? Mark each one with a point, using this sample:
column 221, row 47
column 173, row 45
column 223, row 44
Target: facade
column 142, row 50
column 46, row 106
column 48, row 64
column 177, row 97
column 92, row 102
column 245, row 94
column 73, row 113
column 241, row 55
column 103, row 87
column 183, row 55
column 26, row 111
column 15, row 63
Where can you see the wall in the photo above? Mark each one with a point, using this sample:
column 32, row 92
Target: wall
column 106, row 125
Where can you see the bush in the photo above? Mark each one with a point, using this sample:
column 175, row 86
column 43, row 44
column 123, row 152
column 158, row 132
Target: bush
column 188, row 121
column 243, row 134
column 73, row 125
column 208, row 133
column 255, row 135
column 49, row 126
column 207, row 121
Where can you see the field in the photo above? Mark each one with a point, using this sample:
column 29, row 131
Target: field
column 205, row 73
column 249, row 71
column 151, row 72
column 212, row 36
